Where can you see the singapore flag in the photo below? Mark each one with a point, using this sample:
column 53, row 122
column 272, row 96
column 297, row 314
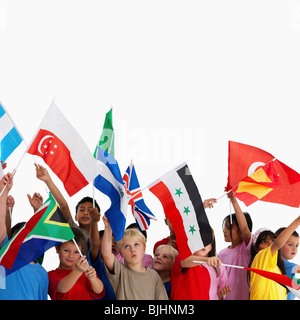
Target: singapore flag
column 64, row 151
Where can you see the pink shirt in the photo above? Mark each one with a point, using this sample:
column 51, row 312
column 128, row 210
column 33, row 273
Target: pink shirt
column 237, row 278
column 217, row 282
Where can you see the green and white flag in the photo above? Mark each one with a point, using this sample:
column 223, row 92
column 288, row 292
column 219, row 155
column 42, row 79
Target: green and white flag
column 107, row 139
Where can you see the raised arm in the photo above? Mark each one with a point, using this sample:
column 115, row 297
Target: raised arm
column 8, row 181
column 284, row 236
column 106, row 245
column 43, row 175
column 243, row 226
column 94, row 234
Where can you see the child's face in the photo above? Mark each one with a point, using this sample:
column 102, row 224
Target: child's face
column 162, row 260
column 68, row 255
column 132, row 250
column 290, row 249
column 83, row 213
column 266, row 243
column 235, row 233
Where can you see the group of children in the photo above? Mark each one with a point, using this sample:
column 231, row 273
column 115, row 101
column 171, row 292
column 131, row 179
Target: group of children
column 99, row 268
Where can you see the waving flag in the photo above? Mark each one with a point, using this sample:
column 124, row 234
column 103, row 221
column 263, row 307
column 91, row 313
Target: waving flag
column 258, row 184
column 244, row 160
column 46, row 228
column 9, row 135
column 140, row 211
column 107, row 139
column 110, row 182
column 183, row 206
column 64, row 151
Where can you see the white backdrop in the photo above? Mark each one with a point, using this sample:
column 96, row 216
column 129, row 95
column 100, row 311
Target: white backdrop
column 183, row 77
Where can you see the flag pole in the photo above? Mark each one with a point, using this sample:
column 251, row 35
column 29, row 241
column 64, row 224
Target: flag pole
column 74, row 241
column 223, row 264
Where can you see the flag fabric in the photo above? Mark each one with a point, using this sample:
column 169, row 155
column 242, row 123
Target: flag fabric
column 139, row 209
column 9, row 135
column 244, row 160
column 258, row 184
column 46, row 228
column 64, row 151
column 107, row 138
column 183, row 206
column 110, row 182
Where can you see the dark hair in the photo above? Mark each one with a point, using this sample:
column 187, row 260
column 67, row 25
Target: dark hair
column 16, row 228
column 234, row 221
column 136, row 226
column 87, row 199
column 277, row 233
column 255, row 249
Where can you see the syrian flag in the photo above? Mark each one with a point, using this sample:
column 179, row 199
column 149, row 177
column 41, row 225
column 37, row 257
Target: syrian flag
column 109, row 181
column 46, row 228
column 183, row 206
column 64, row 151
column 139, row 209
column 244, row 160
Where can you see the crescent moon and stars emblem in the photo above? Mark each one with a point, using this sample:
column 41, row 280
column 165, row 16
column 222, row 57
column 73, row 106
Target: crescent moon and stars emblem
column 45, row 143
column 254, row 166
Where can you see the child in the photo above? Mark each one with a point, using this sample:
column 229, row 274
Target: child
column 218, row 276
column 265, row 256
column 147, row 259
column 29, row 282
column 238, row 253
column 288, row 252
column 131, row 280
column 82, row 209
column 190, row 280
column 74, row 279
column 162, row 263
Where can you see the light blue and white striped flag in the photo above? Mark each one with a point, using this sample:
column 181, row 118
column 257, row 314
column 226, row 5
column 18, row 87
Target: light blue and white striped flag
column 10, row 138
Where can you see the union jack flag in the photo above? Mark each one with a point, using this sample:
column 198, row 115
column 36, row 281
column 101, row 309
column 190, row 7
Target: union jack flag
column 140, row 211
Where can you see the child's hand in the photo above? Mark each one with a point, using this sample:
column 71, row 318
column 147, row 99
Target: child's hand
column 7, row 180
column 35, row 201
column 95, row 215
column 214, row 262
column 42, row 173
column 91, row 273
column 209, row 203
column 106, row 222
column 223, row 292
column 82, row 264
column 10, row 202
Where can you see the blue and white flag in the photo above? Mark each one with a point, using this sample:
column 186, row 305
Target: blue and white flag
column 140, row 211
column 110, row 182
column 9, row 136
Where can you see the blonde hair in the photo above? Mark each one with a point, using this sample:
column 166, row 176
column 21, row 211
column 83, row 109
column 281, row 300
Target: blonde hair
column 173, row 252
column 129, row 234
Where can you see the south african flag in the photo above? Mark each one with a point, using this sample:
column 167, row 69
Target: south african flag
column 46, row 228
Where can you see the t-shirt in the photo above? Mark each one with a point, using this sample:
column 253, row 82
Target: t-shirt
column 82, row 289
column 217, row 281
column 132, row 285
column 27, row 283
column 237, row 278
column 189, row 283
column 262, row 288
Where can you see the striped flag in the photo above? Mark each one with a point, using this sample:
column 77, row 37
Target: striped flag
column 9, row 135
column 46, row 228
column 110, row 182
column 183, row 206
column 140, row 211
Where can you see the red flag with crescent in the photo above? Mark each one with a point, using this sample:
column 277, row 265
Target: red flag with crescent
column 244, row 160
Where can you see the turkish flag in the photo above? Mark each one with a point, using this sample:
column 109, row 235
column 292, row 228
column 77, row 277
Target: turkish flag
column 244, row 160
column 63, row 150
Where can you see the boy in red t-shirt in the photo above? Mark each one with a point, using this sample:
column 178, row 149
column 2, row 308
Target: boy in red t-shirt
column 74, row 279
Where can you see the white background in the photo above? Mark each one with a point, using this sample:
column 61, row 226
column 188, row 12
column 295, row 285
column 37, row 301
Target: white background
column 183, row 77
